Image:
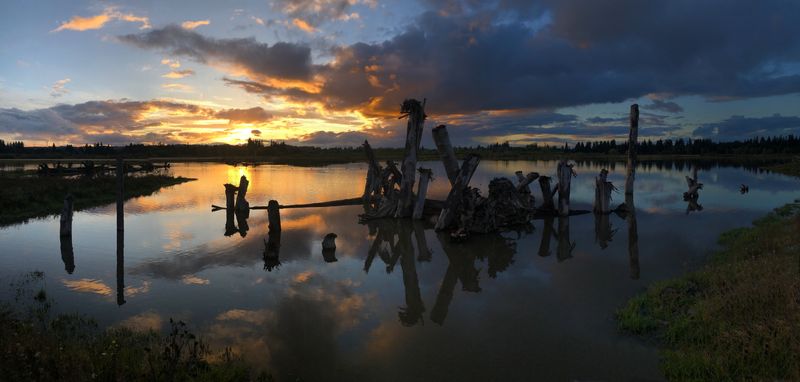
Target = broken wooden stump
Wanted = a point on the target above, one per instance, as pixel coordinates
(602, 193)
(547, 194)
(445, 149)
(456, 195)
(524, 187)
(230, 196)
(415, 111)
(274, 216)
(565, 173)
(374, 174)
(633, 135)
(241, 203)
(425, 175)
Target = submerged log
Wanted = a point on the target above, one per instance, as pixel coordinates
(632, 148)
(416, 118)
(66, 216)
(456, 195)
(547, 194)
(425, 175)
(241, 202)
(446, 153)
(565, 173)
(602, 193)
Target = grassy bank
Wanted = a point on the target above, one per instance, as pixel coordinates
(37, 347)
(736, 318)
(24, 197)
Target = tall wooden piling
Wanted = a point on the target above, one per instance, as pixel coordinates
(602, 193)
(456, 195)
(633, 135)
(416, 118)
(565, 174)
(445, 149)
(241, 203)
(425, 175)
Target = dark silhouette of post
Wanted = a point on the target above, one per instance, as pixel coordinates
(633, 135)
(565, 245)
(67, 254)
(120, 231)
(273, 245)
(547, 194)
(633, 237)
(456, 195)
(274, 215)
(242, 204)
(423, 252)
(547, 233)
(415, 111)
(564, 172)
(603, 232)
(425, 175)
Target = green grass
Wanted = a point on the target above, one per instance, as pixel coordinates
(24, 196)
(37, 347)
(738, 318)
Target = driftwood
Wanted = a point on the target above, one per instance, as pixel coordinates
(633, 135)
(425, 175)
(456, 196)
(565, 173)
(445, 149)
(602, 193)
(241, 203)
(415, 111)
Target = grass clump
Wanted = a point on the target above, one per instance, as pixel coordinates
(736, 318)
(24, 197)
(37, 347)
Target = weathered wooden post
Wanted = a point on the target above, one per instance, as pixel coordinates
(564, 173)
(273, 245)
(632, 148)
(373, 182)
(230, 196)
(456, 195)
(416, 118)
(425, 175)
(547, 194)
(120, 232)
(274, 215)
(241, 203)
(66, 217)
(602, 193)
(445, 149)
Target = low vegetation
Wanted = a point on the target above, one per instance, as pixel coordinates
(24, 196)
(736, 318)
(37, 347)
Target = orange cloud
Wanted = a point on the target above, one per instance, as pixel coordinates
(179, 74)
(78, 23)
(303, 25)
(194, 24)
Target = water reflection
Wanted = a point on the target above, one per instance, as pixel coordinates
(603, 230)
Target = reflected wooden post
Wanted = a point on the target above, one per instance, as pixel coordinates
(547, 233)
(603, 231)
(632, 147)
(416, 118)
(241, 221)
(423, 252)
(329, 248)
(425, 175)
(633, 237)
(446, 153)
(273, 245)
(120, 232)
(412, 314)
(454, 198)
(602, 193)
(230, 195)
(565, 246)
(65, 236)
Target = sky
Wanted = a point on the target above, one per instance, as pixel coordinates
(334, 72)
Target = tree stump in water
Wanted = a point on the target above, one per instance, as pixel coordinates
(456, 195)
(632, 147)
(445, 149)
(230, 196)
(602, 193)
(274, 216)
(374, 171)
(416, 118)
(425, 175)
(241, 202)
(547, 194)
(565, 173)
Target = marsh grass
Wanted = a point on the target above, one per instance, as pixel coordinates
(24, 196)
(35, 346)
(736, 318)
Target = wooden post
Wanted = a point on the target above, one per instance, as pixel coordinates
(120, 232)
(373, 173)
(425, 175)
(274, 215)
(632, 147)
(565, 174)
(547, 194)
(454, 198)
(602, 193)
(241, 202)
(416, 118)
(66, 217)
(445, 149)
(230, 195)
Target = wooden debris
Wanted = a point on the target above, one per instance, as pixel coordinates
(241, 203)
(565, 173)
(456, 196)
(632, 148)
(425, 175)
(415, 111)
(445, 149)
(602, 193)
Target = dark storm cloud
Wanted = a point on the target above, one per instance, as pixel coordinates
(284, 60)
(739, 127)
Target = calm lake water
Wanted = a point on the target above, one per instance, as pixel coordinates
(402, 303)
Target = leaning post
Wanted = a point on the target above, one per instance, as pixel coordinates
(445, 149)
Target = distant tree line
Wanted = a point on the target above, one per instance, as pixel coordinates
(11, 147)
(758, 145)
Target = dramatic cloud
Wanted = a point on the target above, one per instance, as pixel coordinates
(194, 24)
(78, 23)
(282, 60)
(739, 127)
(667, 106)
(179, 73)
(59, 88)
(309, 14)
(252, 115)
